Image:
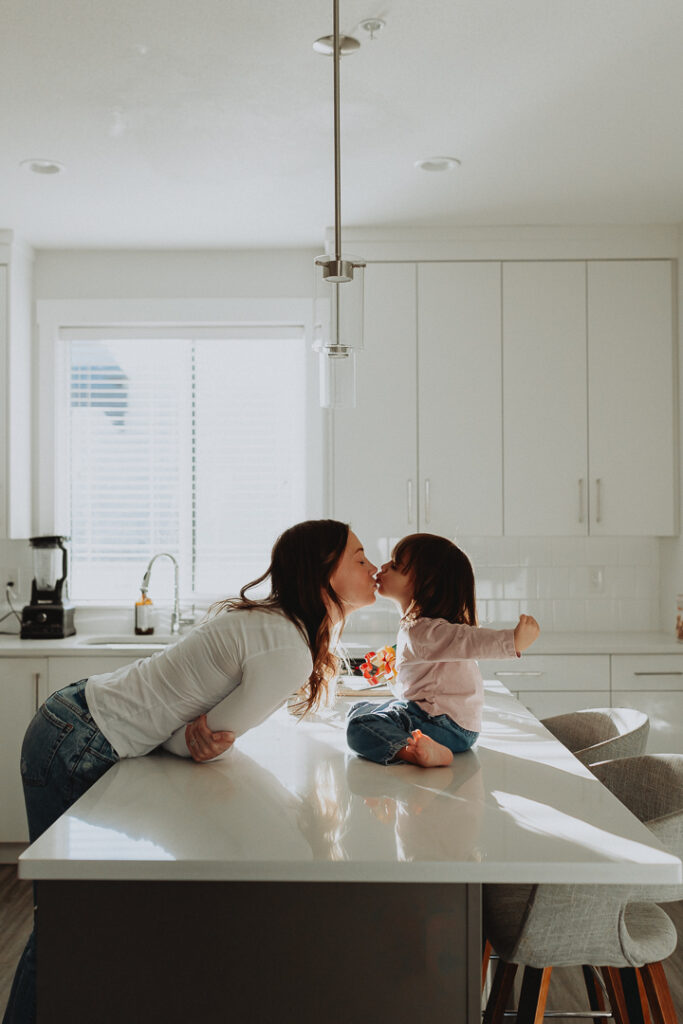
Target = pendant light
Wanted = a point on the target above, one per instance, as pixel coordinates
(338, 293)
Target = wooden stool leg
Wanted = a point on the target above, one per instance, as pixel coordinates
(485, 962)
(644, 1002)
(658, 994)
(629, 983)
(596, 999)
(615, 994)
(534, 995)
(500, 992)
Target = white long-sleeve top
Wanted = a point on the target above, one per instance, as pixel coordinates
(239, 667)
(436, 666)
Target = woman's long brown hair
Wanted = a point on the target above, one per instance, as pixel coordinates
(442, 577)
(301, 563)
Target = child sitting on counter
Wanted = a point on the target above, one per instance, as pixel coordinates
(437, 684)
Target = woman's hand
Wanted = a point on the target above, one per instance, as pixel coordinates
(526, 631)
(204, 744)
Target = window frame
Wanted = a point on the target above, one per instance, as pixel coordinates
(50, 434)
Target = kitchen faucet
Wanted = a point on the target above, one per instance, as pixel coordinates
(176, 620)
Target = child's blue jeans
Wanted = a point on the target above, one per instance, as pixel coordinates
(379, 731)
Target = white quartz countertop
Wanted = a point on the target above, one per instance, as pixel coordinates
(548, 643)
(81, 645)
(291, 803)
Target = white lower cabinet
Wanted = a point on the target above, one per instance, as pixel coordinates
(665, 711)
(547, 703)
(551, 672)
(652, 683)
(21, 680)
(554, 684)
(560, 683)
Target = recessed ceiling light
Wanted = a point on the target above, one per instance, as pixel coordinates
(347, 44)
(438, 163)
(43, 166)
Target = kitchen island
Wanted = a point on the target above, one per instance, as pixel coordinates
(292, 881)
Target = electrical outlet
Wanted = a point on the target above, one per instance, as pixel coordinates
(597, 580)
(10, 578)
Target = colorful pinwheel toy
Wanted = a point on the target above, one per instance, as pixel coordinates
(379, 666)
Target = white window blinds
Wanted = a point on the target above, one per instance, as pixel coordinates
(192, 445)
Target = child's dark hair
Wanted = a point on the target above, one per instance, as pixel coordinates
(442, 577)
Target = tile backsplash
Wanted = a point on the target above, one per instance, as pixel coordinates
(567, 583)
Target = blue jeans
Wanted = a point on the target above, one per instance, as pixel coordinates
(63, 754)
(379, 731)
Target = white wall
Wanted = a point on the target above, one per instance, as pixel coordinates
(671, 548)
(146, 274)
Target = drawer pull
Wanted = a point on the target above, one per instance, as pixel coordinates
(36, 692)
(658, 673)
(518, 673)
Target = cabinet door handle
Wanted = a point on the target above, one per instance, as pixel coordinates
(581, 500)
(428, 500)
(36, 693)
(409, 499)
(658, 673)
(518, 673)
(598, 500)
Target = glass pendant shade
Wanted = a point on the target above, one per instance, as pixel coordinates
(338, 380)
(338, 304)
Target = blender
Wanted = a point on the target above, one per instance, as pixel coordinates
(49, 616)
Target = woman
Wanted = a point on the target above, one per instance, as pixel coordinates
(195, 698)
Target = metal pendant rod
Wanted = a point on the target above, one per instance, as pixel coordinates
(337, 170)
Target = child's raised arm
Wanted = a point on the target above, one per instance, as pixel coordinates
(526, 631)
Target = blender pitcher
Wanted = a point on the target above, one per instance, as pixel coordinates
(49, 615)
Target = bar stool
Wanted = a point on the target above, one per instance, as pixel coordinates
(651, 786)
(593, 734)
(601, 734)
(618, 928)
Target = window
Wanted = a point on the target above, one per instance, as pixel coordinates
(193, 443)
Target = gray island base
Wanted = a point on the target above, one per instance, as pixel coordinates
(257, 952)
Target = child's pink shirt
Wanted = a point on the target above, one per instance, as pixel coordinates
(436, 667)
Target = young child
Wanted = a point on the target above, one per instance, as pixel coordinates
(438, 684)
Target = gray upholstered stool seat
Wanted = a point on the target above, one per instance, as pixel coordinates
(565, 925)
(601, 734)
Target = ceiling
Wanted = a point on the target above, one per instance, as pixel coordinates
(210, 124)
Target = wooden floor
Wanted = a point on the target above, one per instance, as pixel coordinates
(566, 991)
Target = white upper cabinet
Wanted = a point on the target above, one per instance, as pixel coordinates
(588, 398)
(375, 444)
(544, 398)
(459, 399)
(526, 398)
(631, 387)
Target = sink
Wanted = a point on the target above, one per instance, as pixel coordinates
(130, 643)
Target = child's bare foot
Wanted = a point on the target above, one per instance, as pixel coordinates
(425, 751)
